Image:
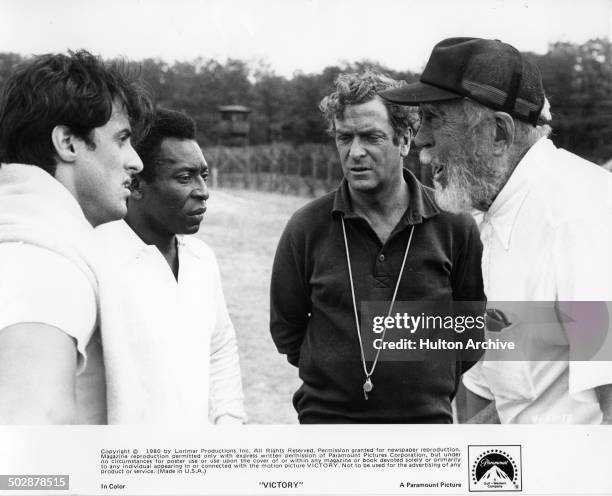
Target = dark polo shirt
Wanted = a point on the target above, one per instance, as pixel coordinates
(312, 319)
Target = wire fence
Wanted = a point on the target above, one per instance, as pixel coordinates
(309, 169)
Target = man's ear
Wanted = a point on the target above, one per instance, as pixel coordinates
(63, 142)
(405, 144)
(504, 133)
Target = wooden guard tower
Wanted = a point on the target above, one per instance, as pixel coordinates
(233, 126)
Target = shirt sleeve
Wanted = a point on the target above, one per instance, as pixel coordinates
(290, 302)
(226, 397)
(39, 286)
(584, 281)
(475, 381)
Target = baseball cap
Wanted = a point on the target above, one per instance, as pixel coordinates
(491, 72)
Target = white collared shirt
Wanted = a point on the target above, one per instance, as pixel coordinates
(179, 332)
(547, 237)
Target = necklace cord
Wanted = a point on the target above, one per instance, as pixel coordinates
(358, 327)
(348, 261)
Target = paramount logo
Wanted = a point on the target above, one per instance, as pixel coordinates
(495, 468)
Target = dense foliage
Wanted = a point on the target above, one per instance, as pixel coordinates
(577, 78)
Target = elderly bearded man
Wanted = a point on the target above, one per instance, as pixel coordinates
(545, 229)
(378, 237)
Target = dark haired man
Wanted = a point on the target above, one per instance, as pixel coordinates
(545, 228)
(178, 346)
(378, 237)
(66, 123)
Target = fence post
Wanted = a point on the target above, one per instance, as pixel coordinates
(216, 167)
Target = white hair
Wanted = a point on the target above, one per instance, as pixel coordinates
(526, 134)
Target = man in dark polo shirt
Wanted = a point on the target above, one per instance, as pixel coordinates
(378, 237)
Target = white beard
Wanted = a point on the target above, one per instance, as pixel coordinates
(466, 189)
(453, 198)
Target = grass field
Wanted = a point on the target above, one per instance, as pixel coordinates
(243, 228)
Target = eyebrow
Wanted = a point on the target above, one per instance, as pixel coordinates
(202, 166)
(366, 130)
(432, 109)
(125, 130)
(442, 109)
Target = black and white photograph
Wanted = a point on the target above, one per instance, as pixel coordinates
(305, 246)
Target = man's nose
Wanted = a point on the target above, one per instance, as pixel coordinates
(201, 191)
(134, 163)
(357, 150)
(423, 137)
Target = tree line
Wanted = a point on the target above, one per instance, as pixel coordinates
(577, 79)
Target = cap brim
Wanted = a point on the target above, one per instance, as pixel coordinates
(415, 93)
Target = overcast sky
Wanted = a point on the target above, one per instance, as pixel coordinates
(292, 35)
